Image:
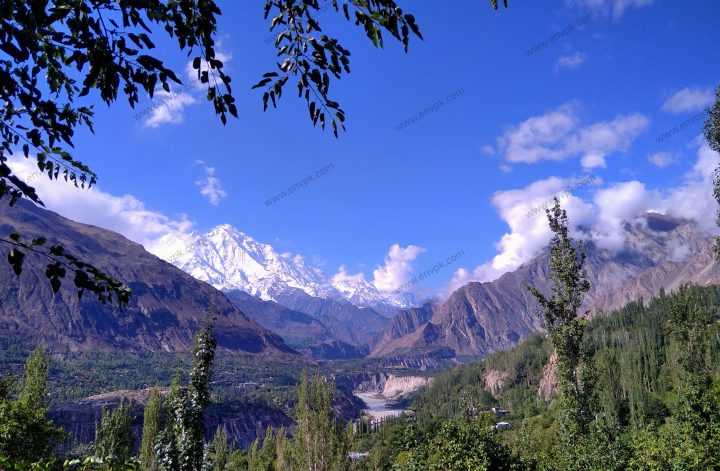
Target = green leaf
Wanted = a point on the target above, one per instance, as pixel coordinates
(15, 258)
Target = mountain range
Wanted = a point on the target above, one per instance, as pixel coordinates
(348, 310)
(231, 260)
(659, 253)
(268, 303)
(167, 307)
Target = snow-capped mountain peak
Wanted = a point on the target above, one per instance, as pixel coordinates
(230, 259)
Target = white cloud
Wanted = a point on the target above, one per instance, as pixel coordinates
(694, 199)
(688, 100)
(593, 160)
(556, 135)
(603, 217)
(210, 186)
(571, 61)
(662, 159)
(343, 277)
(397, 268)
(607, 136)
(616, 205)
(535, 138)
(529, 229)
(123, 214)
(168, 108)
(616, 8)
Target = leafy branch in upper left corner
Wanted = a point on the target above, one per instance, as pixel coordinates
(53, 55)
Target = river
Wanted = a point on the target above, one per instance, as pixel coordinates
(377, 407)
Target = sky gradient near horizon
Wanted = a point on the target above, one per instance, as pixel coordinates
(451, 147)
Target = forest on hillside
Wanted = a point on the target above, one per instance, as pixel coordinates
(656, 407)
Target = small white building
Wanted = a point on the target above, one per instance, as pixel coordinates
(500, 426)
(500, 411)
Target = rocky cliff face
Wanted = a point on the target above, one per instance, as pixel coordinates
(390, 386)
(166, 309)
(483, 317)
(405, 322)
(397, 387)
(242, 424)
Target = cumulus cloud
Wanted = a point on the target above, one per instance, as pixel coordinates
(603, 217)
(397, 268)
(616, 205)
(168, 108)
(123, 214)
(593, 160)
(662, 159)
(210, 186)
(571, 61)
(535, 139)
(343, 277)
(694, 197)
(557, 135)
(688, 100)
(616, 8)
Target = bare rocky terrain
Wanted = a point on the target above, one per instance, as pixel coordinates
(166, 309)
(479, 318)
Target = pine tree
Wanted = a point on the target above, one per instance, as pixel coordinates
(151, 429)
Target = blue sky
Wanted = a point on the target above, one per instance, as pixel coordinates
(522, 128)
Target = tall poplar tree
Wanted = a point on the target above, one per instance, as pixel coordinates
(151, 429)
(565, 327)
(711, 130)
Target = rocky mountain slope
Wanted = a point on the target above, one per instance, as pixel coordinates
(346, 322)
(296, 328)
(167, 306)
(483, 317)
